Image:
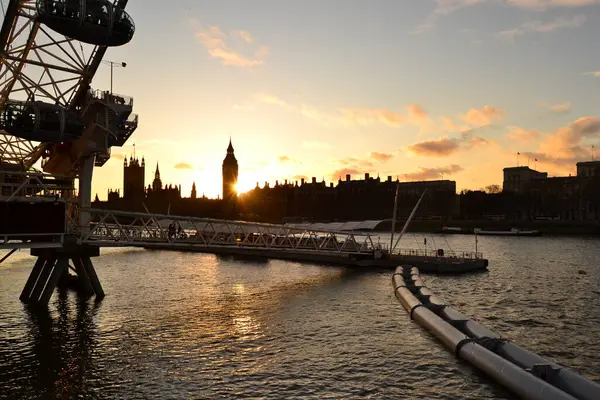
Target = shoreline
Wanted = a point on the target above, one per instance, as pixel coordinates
(558, 228)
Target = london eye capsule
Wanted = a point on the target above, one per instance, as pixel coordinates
(97, 22)
(40, 122)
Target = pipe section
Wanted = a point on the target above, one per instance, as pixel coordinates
(524, 373)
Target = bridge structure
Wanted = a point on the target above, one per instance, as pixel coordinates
(54, 129)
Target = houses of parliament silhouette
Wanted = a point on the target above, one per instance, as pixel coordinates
(167, 199)
(350, 199)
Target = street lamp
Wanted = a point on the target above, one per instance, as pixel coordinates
(112, 65)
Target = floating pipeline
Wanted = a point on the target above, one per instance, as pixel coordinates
(524, 373)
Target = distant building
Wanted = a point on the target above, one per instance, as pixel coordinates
(517, 178)
(538, 196)
(159, 195)
(133, 179)
(193, 195)
(588, 169)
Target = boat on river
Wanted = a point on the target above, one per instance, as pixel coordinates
(512, 232)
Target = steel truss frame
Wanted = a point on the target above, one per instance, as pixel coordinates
(36, 186)
(109, 229)
(37, 63)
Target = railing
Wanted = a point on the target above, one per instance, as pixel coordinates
(438, 253)
(31, 240)
(114, 228)
(35, 185)
(112, 98)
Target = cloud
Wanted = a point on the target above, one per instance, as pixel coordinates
(447, 7)
(441, 147)
(483, 116)
(594, 74)
(522, 135)
(381, 157)
(342, 172)
(243, 35)
(286, 159)
(415, 114)
(443, 8)
(300, 177)
(183, 166)
(216, 42)
(560, 149)
(356, 162)
(543, 4)
(433, 173)
(561, 108)
(566, 142)
(541, 27)
(118, 156)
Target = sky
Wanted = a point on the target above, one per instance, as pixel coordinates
(415, 89)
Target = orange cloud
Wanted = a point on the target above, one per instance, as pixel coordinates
(561, 108)
(118, 156)
(216, 42)
(183, 166)
(566, 142)
(286, 159)
(368, 116)
(522, 135)
(382, 157)
(425, 174)
(300, 177)
(594, 74)
(342, 172)
(356, 162)
(480, 117)
(441, 147)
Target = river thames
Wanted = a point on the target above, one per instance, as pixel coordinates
(197, 326)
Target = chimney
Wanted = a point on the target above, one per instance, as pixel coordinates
(314, 180)
(276, 183)
(302, 181)
(286, 182)
(389, 178)
(347, 177)
(331, 185)
(366, 177)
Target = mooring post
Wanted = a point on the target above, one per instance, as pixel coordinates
(84, 281)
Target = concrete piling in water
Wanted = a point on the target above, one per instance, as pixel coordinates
(60, 266)
(42, 280)
(32, 280)
(52, 268)
(91, 273)
(85, 286)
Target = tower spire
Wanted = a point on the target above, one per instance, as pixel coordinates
(157, 172)
(230, 147)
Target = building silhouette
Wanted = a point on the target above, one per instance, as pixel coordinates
(133, 179)
(230, 178)
(527, 195)
(230, 175)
